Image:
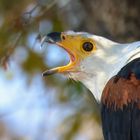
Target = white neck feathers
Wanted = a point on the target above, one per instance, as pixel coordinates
(108, 64)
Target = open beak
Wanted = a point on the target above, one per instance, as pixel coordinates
(55, 38)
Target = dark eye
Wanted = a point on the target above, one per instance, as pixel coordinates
(88, 46)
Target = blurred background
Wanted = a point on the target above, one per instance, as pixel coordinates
(53, 108)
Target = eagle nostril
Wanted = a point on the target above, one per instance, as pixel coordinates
(63, 37)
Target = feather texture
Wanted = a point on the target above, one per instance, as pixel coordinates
(121, 104)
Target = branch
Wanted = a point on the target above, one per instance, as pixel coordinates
(26, 20)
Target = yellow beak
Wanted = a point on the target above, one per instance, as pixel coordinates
(59, 39)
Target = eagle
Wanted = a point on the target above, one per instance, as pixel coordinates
(111, 71)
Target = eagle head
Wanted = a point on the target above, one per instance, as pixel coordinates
(93, 58)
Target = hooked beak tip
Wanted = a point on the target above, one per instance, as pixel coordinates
(51, 38)
(49, 72)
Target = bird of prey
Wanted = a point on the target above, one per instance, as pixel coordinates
(111, 71)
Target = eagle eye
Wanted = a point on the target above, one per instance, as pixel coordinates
(87, 46)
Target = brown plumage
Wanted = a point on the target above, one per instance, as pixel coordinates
(120, 92)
